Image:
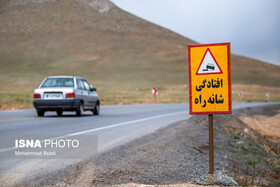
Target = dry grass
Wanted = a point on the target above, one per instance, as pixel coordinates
(22, 98)
(255, 93)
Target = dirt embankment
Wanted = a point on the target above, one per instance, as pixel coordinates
(178, 156)
(263, 125)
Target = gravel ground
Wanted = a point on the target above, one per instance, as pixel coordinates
(177, 155)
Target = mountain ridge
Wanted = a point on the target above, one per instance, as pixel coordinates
(98, 40)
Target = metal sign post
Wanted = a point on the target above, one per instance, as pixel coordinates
(211, 144)
(210, 84)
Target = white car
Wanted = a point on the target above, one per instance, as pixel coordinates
(66, 93)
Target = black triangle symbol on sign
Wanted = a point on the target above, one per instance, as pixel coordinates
(208, 64)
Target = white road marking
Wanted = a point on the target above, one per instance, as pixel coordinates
(103, 128)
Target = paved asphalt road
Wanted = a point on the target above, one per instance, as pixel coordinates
(114, 126)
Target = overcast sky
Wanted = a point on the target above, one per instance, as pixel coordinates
(252, 26)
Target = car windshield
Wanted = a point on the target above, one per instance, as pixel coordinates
(58, 82)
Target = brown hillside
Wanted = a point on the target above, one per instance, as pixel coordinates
(97, 40)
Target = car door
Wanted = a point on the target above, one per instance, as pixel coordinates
(91, 96)
(81, 91)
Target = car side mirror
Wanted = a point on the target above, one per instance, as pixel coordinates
(93, 89)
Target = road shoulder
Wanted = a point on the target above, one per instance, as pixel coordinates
(178, 155)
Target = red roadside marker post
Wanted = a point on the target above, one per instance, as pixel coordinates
(210, 84)
(155, 93)
(267, 96)
(240, 94)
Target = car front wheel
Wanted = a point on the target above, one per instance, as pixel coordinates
(80, 109)
(96, 109)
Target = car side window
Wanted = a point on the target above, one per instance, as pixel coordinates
(80, 84)
(87, 86)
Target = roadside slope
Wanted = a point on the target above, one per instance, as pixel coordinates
(101, 42)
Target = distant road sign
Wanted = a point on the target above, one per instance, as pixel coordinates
(209, 79)
(155, 91)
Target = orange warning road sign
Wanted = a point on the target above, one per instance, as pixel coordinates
(209, 78)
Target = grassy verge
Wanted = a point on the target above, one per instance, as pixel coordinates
(253, 93)
(15, 99)
(251, 163)
(22, 98)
